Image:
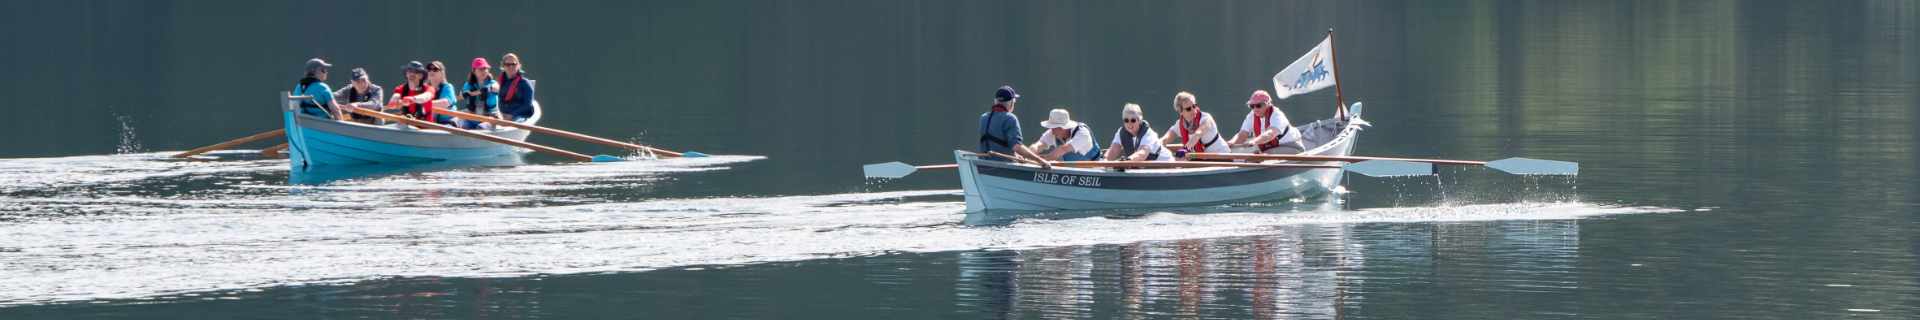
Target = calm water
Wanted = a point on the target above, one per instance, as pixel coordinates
(1740, 160)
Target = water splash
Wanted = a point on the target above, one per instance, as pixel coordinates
(129, 141)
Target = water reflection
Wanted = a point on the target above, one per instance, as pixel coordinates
(327, 174)
(1312, 271)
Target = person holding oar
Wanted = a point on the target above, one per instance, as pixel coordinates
(1135, 140)
(1000, 129)
(437, 94)
(482, 94)
(416, 75)
(1195, 131)
(1065, 139)
(314, 84)
(1266, 129)
(362, 93)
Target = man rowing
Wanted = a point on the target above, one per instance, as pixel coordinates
(1135, 140)
(360, 94)
(1065, 139)
(1195, 131)
(1266, 129)
(1000, 129)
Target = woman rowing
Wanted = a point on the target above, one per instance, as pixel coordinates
(1135, 140)
(1266, 128)
(482, 93)
(1195, 131)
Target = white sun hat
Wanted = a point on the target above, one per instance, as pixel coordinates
(1059, 118)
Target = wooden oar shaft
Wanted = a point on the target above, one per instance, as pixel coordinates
(1013, 157)
(557, 132)
(275, 133)
(471, 134)
(1302, 157)
(274, 150)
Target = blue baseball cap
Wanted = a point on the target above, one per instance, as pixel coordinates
(1005, 94)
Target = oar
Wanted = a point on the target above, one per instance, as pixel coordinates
(274, 151)
(570, 134)
(483, 136)
(1521, 166)
(275, 133)
(896, 169)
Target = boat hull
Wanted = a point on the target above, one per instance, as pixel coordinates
(1000, 186)
(317, 142)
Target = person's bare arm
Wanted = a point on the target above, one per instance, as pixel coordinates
(1022, 150)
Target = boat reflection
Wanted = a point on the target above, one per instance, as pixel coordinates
(1301, 271)
(327, 174)
(988, 218)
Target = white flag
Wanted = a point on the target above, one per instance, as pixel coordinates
(1313, 71)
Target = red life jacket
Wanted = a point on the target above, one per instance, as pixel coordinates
(1260, 124)
(1185, 132)
(422, 111)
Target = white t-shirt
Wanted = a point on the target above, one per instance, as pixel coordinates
(1276, 121)
(1207, 132)
(1081, 141)
(1149, 142)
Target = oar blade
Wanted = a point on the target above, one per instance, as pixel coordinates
(890, 170)
(692, 154)
(1390, 168)
(607, 158)
(1525, 166)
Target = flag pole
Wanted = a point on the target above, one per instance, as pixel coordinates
(1340, 99)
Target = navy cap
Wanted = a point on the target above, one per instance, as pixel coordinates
(1005, 94)
(414, 66)
(359, 73)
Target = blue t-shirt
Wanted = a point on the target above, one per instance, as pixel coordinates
(999, 132)
(446, 92)
(322, 95)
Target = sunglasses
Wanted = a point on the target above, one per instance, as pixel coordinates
(1256, 106)
(1130, 120)
(509, 64)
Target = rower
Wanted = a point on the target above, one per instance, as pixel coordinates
(1065, 139)
(481, 94)
(1266, 129)
(404, 94)
(360, 94)
(313, 84)
(1000, 129)
(1135, 140)
(1195, 131)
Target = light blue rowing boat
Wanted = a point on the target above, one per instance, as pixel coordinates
(1000, 186)
(314, 141)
